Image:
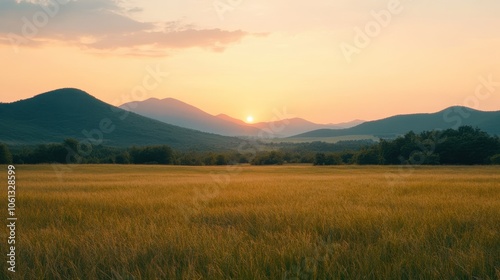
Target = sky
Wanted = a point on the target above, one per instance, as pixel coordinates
(325, 61)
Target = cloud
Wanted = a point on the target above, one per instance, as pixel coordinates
(135, 10)
(214, 39)
(103, 25)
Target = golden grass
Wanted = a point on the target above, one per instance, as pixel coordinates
(286, 222)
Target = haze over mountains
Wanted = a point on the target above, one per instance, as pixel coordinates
(178, 113)
(71, 113)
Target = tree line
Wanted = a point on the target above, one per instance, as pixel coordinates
(465, 145)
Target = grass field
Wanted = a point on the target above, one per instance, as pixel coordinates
(284, 222)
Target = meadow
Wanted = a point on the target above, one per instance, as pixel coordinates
(278, 222)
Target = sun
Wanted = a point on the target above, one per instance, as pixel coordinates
(250, 119)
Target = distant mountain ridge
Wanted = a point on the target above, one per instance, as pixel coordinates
(452, 117)
(71, 113)
(53, 116)
(179, 113)
(176, 112)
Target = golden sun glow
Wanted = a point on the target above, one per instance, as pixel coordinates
(250, 119)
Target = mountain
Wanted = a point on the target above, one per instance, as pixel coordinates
(231, 119)
(59, 114)
(348, 124)
(289, 127)
(281, 128)
(397, 125)
(178, 113)
(293, 126)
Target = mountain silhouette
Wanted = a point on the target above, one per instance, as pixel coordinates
(176, 112)
(452, 117)
(179, 113)
(53, 116)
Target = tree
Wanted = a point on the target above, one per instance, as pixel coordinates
(152, 154)
(209, 159)
(467, 145)
(123, 158)
(329, 159)
(393, 151)
(5, 155)
(421, 158)
(221, 160)
(495, 159)
(347, 157)
(368, 156)
(333, 159)
(71, 144)
(320, 159)
(268, 158)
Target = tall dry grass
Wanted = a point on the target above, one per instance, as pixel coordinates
(288, 222)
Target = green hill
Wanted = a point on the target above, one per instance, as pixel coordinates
(397, 125)
(53, 116)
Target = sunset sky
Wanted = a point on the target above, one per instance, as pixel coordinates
(253, 57)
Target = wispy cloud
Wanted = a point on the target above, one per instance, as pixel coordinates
(103, 25)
